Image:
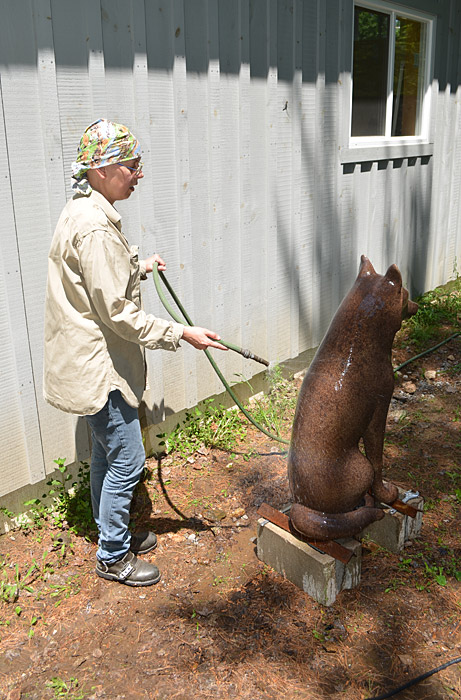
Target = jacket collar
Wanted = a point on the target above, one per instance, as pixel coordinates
(110, 211)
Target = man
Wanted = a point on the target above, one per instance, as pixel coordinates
(95, 337)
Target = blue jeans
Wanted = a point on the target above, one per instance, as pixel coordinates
(117, 462)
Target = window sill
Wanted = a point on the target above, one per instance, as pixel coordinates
(385, 151)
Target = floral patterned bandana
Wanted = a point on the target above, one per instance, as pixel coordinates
(102, 143)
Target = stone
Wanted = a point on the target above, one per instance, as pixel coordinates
(395, 528)
(409, 387)
(315, 573)
(238, 513)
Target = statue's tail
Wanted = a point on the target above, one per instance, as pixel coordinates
(330, 526)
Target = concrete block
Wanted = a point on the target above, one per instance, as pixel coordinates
(318, 574)
(395, 529)
(414, 525)
(388, 532)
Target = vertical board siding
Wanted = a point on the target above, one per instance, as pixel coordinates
(20, 440)
(240, 110)
(33, 140)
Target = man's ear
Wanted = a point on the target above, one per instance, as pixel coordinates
(95, 175)
(101, 172)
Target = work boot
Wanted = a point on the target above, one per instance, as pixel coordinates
(129, 570)
(143, 542)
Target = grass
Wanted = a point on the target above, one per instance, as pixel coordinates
(65, 689)
(209, 425)
(67, 503)
(439, 314)
(11, 586)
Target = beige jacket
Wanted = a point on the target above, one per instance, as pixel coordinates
(95, 328)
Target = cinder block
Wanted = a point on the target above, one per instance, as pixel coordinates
(414, 525)
(318, 574)
(395, 529)
(388, 532)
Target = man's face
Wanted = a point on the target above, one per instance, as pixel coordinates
(121, 179)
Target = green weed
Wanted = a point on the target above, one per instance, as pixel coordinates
(65, 689)
(9, 514)
(197, 626)
(209, 425)
(32, 623)
(275, 408)
(439, 311)
(394, 584)
(11, 588)
(442, 564)
(454, 476)
(436, 573)
(66, 504)
(319, 636)
(66, 590)
(220, 580)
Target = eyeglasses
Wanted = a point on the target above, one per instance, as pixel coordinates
(136, 170)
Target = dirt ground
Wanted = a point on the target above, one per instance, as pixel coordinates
(221, 624)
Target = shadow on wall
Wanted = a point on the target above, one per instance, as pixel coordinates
(120, 29)
(285, 38)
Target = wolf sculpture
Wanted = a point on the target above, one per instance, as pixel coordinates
(344, 398)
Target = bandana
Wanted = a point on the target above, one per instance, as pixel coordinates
(102, 143)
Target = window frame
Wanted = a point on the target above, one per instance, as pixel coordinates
(369, 148)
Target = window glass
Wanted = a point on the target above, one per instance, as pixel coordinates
(371, 52)
(408, 76)
(389, 72)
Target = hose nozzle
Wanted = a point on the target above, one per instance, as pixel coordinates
(247, 354)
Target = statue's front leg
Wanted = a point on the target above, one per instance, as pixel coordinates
(373, 441)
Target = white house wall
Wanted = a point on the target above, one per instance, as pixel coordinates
(239, 107)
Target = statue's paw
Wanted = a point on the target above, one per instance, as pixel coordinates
(385, 492)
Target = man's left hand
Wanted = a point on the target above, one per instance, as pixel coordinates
(149, 263)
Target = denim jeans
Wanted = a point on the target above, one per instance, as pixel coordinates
(117, 461)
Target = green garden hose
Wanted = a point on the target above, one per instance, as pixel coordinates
(246, 353)
(426, 352)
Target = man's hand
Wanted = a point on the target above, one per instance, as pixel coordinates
(149, 263)
(201, 338)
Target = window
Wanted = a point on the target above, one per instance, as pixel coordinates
(390, 76)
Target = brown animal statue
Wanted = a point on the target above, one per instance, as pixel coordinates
(344, 397)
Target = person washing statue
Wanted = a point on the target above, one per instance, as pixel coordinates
(96, 334)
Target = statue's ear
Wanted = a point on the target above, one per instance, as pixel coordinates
(394, 276)
(366, 268)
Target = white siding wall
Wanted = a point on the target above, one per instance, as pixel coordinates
(239, 108)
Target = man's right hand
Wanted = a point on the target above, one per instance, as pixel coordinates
(201, 338)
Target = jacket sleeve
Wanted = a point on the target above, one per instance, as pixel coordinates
(112, 279)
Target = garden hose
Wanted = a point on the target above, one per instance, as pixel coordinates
(413, 681)
(156, 276)
(426, 352)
